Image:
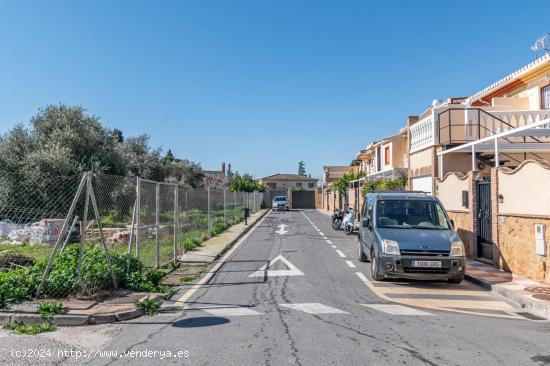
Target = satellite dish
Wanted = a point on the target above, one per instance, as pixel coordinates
(542, 44)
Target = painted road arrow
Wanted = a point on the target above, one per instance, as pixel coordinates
(264, 271)
(281, 230)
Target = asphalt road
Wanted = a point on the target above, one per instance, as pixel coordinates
(318, 306)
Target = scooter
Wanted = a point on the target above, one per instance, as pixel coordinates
(337, 218)
(349, 221)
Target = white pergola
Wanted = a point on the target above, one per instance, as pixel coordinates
(492, 144)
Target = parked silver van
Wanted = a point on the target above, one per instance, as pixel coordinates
(409, 235)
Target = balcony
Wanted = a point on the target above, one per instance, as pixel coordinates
(422, 134)
(462, 125)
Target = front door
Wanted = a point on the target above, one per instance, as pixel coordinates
(484, 224)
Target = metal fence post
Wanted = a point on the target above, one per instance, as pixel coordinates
(176, 219)
(83, 182)
(208, 199)
(224, 214)
(235, 206)
(157, 224)
(138, 211)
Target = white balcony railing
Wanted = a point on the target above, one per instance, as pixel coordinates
(422, 134)
(506, 120)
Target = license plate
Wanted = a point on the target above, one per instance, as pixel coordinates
(427, 264)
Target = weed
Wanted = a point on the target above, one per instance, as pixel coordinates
(47, 309)
(188, 278)
(21, 328)
(150, 306)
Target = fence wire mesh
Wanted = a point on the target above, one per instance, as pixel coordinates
(80, 235)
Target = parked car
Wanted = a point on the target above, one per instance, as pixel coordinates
(409, 235)
(280, 203)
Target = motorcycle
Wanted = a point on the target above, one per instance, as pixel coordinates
(349, 221)
(337, 218)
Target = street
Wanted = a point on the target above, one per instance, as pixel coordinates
(297, 295)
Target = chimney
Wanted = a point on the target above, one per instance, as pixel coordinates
(223, 167)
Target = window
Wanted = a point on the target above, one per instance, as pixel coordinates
(418, 214)
(387, 155)
(545, 97)
(311, 185)
(299, 184)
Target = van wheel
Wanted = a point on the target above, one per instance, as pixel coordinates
(374, 267)
(456, 280)
(362, 256)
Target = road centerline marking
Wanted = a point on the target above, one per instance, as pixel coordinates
(340, 253)
(362, 277)
(350, 264)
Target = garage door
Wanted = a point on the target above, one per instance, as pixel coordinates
(423, 184)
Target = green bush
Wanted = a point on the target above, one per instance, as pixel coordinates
(21, 284)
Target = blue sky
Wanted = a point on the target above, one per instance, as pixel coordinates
(259, 84)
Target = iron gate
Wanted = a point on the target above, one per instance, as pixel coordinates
(484, 224)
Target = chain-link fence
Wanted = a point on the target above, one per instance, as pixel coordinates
(62, 236)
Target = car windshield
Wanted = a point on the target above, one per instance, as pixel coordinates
(280, 198)
(411, 214)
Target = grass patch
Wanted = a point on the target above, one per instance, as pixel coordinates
(188, 278)
(37, 252)
(47, 309)
(20, 328)
(150, 306)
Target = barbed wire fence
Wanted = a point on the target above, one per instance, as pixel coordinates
(94, 225)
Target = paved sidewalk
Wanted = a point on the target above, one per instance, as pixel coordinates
(213, 247)
(532, 295)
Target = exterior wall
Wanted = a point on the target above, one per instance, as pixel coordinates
(517, 247)
(399, 150)
(285, 184)
(525, 190)
(525, 198)
(449, 192)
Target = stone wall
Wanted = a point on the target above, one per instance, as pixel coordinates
(517, 247)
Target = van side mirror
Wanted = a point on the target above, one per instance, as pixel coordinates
(365, 222)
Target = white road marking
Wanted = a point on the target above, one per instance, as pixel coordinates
(394, 309)
(362, 277)
(281, 230)
(320, 232)
(314, 308)
(264, 271)
(329, 241)
(334, 246)
(340, 253)
(350, 264)
(228, 311)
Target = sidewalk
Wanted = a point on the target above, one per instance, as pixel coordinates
(211, 249)
(532, 295)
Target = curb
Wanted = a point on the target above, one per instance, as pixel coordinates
(75, 319)
(529, 304)
(240, 235)
(231, 243)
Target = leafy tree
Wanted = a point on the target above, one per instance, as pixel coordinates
(63, 141)
(301, 168)
(245, 183)
(341, 184)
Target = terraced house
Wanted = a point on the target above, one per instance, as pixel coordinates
(487, 157)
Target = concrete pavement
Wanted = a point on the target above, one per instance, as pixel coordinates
(329, 311)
